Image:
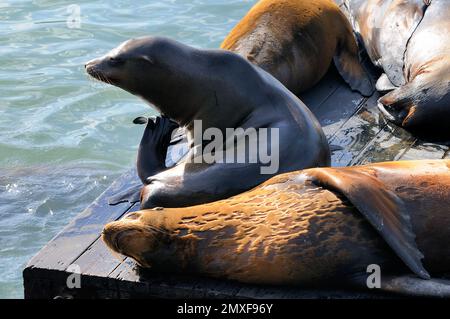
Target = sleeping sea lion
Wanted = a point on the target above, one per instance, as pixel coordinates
(296, 41)
(317, 227)
(210, 89)
(410, 41)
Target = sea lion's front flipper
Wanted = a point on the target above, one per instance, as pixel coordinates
(153, 148)
(413, 286)
(395, 36)
(384, 84)
(131, 195)
(350, 68)
(380, 206)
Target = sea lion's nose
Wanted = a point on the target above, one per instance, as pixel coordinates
(91, 63)
(109, 235)
(87, 64)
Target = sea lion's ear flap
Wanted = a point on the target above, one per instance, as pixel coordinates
(380, 206)
(352, 71)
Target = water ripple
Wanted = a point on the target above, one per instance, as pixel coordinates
(63, 138)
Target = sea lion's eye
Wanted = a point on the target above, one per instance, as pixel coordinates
(114, 61)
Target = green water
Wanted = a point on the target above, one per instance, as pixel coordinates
(64, 138)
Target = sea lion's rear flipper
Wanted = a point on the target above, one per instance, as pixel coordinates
(384, 84)
(131, 195)
(350, 68)
(413, 286)
(380, 206)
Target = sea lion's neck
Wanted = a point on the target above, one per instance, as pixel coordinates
(211, 92)
(173, 106)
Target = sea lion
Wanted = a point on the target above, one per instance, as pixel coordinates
(315, 227)
(296, 41)
(220, 90)
(410, 41)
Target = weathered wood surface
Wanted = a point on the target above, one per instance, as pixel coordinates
(354, 126)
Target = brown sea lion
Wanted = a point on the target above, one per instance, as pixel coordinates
(296, 41)
(314, 227)
(200, 90)
(410, 41)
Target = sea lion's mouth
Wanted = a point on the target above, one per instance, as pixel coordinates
(396, 113)
(386, 113)
(98, 75)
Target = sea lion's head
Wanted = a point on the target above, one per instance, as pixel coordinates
(421, 107)
(141, 237)
(153, 68)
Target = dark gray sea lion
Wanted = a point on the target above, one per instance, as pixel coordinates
(296, 41)
(317, 227)
(410, 41)
(222, 90)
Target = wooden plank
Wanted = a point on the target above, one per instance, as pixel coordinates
(322, 91)
(127, 270)
(98, 260)
(338, 108)
(421, 150)
(389, 145)
(332, 101)
(253, 292)
(132, 280)
(357, 133)
(73, 240)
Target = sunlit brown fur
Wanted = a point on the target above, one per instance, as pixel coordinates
(290, 231)
(296, 40)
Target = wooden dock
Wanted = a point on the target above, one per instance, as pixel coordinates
(352, 124)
